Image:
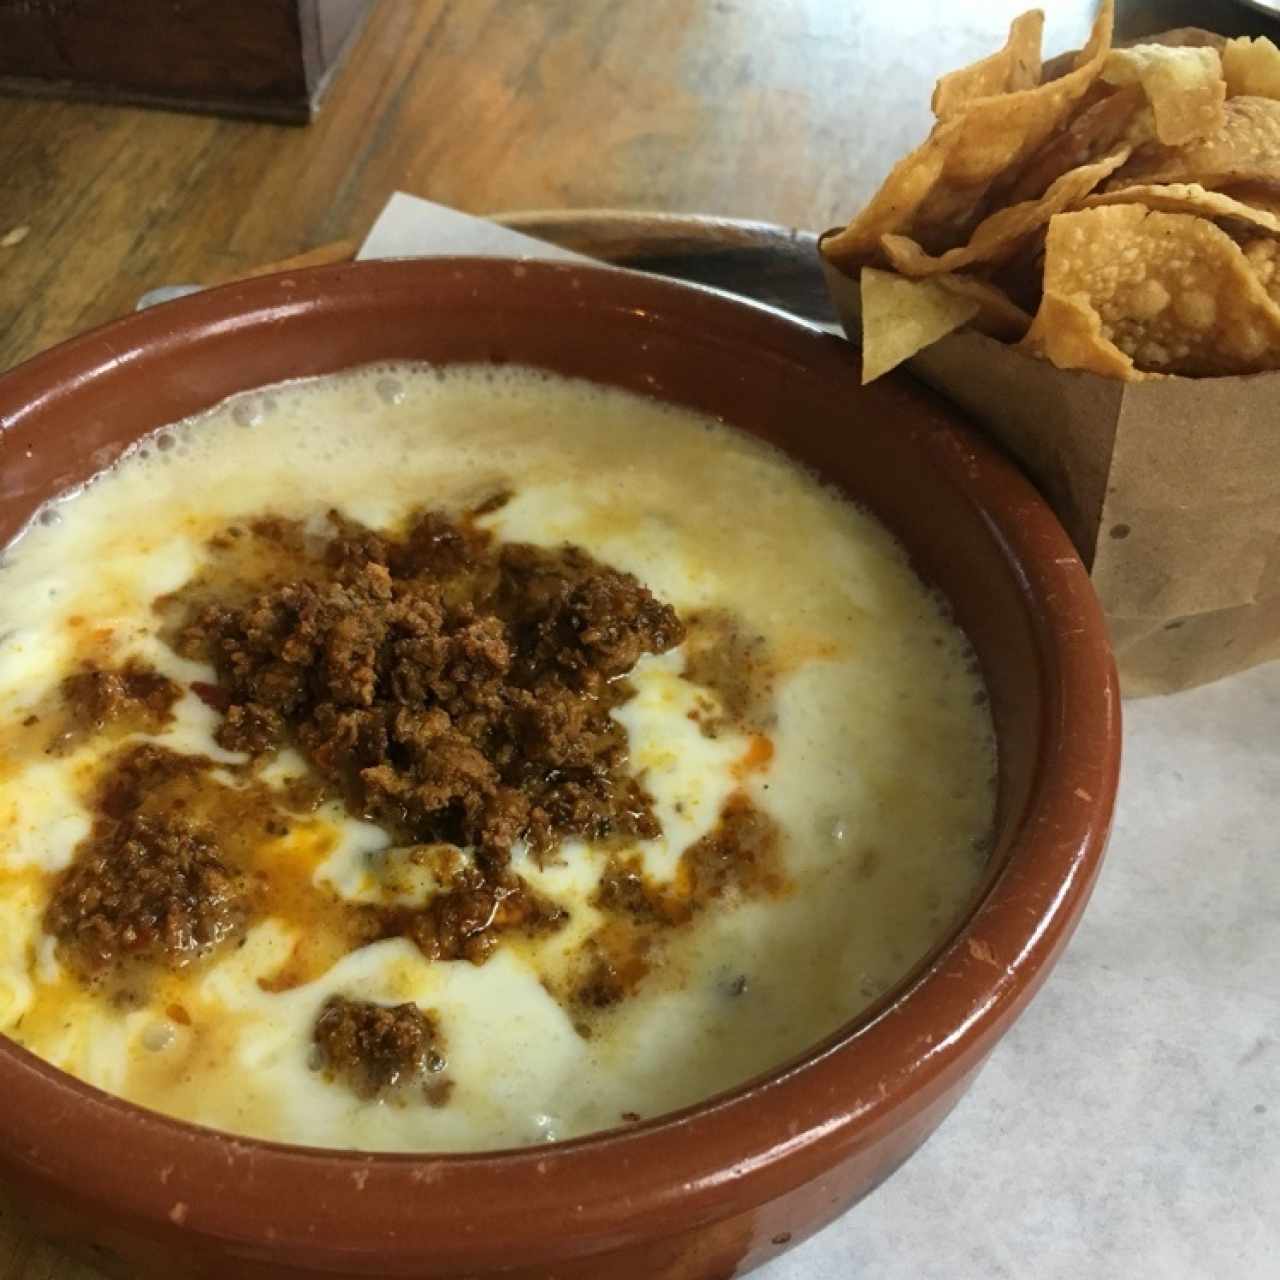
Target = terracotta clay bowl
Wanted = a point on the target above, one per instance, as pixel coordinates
(718, 1188)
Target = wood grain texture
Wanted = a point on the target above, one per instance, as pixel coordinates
(239, 57)
(207, 47)
(25, 1257)
(787, 113)
(321, 256)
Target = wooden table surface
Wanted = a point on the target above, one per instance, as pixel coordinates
(784, 112)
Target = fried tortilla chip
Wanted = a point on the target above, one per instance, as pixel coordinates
(1257, 195)
(1184, 197)
(1000, 237)
(1010, 70)
(894, 206)
(1177, 38)
(1109, 117)
(901, 317)
(1251, 68)
(1184, 86)
(1127, 289)
(935, 194)
(1245, 149)
(1116, 117)
(1068, 332)
(1263, 257)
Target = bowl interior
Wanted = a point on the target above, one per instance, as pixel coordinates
(973, 527)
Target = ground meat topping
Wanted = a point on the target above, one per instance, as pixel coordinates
(736, 665)
(167, 826)
(738, 858)
(464, 921)
(149, 891)
(132, 698)
(455, 691)
(376, 1049)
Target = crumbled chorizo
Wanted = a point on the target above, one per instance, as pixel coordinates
(148, 891)
(458, 692)
(375, 1049)
(455, 691)
(128, 699)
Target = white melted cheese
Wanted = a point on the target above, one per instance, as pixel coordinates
(689, 775)
(879, 774)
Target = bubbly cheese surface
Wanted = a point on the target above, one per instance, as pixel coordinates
(876, 762)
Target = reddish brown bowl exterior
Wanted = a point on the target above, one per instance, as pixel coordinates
(719, 1188)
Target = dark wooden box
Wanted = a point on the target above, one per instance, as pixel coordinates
(265, 58)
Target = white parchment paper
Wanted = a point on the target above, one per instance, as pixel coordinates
(1128, 1128)
(409, 227)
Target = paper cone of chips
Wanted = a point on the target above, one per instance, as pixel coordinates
(1085, 255)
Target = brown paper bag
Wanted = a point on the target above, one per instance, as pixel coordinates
(1170, 490)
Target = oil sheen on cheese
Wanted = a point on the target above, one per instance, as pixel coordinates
(879, 772)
